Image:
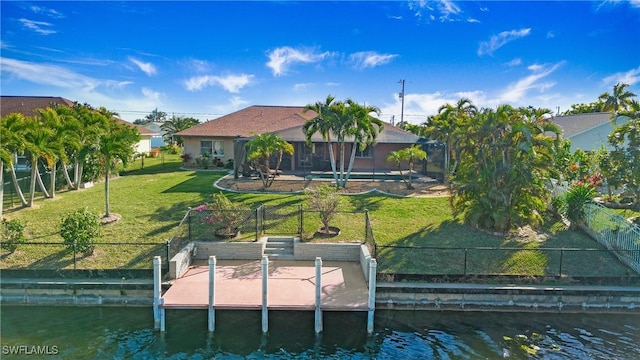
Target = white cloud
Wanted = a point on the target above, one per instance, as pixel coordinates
(282, 58)
(498, 41)
(234, 103)
(47, 11)
(516, 92)
(117, 84)
(231, 83)
(41, 27)
(629, 77)
(515, 62)
(442, 10)
(146, 67)
(45, 74)
(151, 95)
(366, 59)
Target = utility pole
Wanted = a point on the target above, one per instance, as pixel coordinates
(402, 108)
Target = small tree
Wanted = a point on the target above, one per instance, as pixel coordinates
(223, 213)
(326, 201)
(410, 155)
(79, 229)
(578, 195)
(11, 234)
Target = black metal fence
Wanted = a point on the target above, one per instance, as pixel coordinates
(407, 261)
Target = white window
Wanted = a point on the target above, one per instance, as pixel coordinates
(212, 147)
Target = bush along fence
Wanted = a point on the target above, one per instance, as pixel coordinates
(253, 224)
(614, 232)
(55, 259)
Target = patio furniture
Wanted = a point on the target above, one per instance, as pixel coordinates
(248, 171)
(269, 172)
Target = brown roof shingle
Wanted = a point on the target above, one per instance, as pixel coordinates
(27, 105)
(256, 119)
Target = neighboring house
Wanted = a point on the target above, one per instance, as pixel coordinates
(157, 140)
(588, 131)
(27, 105)
(224, 138)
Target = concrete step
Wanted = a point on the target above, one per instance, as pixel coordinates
(279, 247)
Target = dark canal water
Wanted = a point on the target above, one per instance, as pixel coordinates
(127, 333)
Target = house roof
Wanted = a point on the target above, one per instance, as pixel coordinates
(27, 105)
(577, 123)
(255, 119)
(389, 135)
(287, 121)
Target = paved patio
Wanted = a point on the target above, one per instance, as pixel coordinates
(291, 286)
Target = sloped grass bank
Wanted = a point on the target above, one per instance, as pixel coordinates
(153, 200)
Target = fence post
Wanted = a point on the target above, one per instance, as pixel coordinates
(465, 261)
(561, 259)
(257, 220)
(300, 220)
(75, 243)
(168, 251)
(189, 223)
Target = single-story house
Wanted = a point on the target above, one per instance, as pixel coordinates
(588, 131)
(27, 105)
(224, 138)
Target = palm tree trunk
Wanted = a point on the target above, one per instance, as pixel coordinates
(351, 161)
(332, 160)
(16, 186)
(53, 179)
(342, 151)
(41, 183)
(106, 188)
(77, 173)
(32, 182)
(65, 172)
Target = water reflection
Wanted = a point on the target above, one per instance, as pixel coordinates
(126, 333)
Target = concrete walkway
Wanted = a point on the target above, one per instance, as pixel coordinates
(291, 286)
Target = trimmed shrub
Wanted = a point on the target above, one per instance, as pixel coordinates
(11, 234)
(80, 227)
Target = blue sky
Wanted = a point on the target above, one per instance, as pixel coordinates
(207, 59)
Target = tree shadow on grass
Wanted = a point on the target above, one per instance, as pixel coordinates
(144, 260)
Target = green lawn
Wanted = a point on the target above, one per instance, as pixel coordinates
(153, 200)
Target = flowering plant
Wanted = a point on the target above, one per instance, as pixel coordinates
(226, 215)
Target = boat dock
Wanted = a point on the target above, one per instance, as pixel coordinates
(268, 285)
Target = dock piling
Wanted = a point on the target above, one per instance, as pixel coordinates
(372, 294)
(157, 291)
(265, 292)
(212, 293)
(318, 324)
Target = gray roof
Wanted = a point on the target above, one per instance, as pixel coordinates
(575, 124)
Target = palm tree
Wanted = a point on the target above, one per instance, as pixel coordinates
(364, 128)
(322, 123)
(115, 144)
(177, 124)
(11, 143)
(343, 120)
(410, 155)
(66, 137)
(619, 100)
(90, 125)
(504, 161)
(264, 146)
(40, 143)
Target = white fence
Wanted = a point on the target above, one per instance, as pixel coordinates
(614, 232)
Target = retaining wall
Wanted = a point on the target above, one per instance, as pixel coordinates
(476, 297)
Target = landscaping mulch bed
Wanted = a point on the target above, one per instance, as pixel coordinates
(422, 187)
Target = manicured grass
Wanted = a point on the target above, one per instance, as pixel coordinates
(153, 200)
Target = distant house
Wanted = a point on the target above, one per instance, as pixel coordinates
(224, 138)
(588, 131)
(27, 105)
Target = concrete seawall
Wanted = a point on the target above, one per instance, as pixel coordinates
(393, 296)
(480, 297)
